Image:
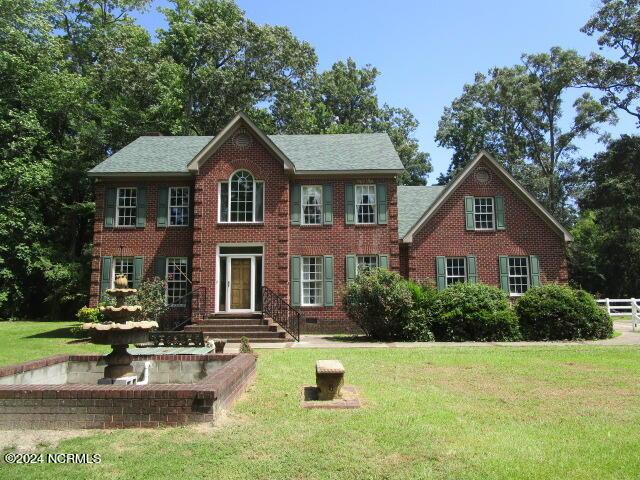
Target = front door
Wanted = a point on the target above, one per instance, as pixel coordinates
(240, 283)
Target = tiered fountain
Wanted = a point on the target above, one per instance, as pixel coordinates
(119, 331)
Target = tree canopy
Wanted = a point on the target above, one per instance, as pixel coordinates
(516, 113)
(81, 79)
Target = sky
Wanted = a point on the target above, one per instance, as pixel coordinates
(427, 50)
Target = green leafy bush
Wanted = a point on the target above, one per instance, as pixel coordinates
(384, 306)
(558, 312)
(474, 312)
(245, 347)
(151, 297)
(89, 315)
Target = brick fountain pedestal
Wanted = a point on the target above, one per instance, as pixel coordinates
(119, 331)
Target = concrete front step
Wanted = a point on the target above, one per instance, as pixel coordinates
(229, 321)
(230, 328)
(233, 315)
(238, 335)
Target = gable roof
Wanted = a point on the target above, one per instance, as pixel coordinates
(302, 154)
(413, 201)
(508, 179)
(219, 140)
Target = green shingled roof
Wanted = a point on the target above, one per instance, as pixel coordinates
(153, 155)
(413, 202)
(339, 152)
(309, 153)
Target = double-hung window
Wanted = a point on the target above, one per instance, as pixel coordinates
(241, 199)
(312, 204)
(365, 203)
(456, 270)
(122, 266)
(178, 206)
(483, 213)
(518, 275)
(311, 281)
(126, 207)
(177, 280)
(366, 262)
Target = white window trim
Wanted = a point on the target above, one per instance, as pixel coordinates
(113, 270)
(493, 214)
(228, 182)
(374, 204)
(118, 206)
(358, 257)
(302, 205)
(166, 276)
(188, 207)
(321, 296)
(509, 276)
(446, 270)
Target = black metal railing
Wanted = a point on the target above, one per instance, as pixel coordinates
(180, 311)
(278, 310)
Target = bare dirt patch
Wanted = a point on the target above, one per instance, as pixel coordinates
(32, 440)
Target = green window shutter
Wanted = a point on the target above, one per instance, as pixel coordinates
(138, 265)
(224, 201)
(163, 207)
(105, 275)
(141, 210)
(499, 202)
(295, 204)
(110, 207)
(350, 268)
(192, 206)
(294, 272)
(327, 204)
(469, 219)
(504, 272)
(381, 199)
(161, 267)
(349, 204)
(534, 270)
(441, 266)
(472, 269)
(383, 261)
(259, 201)
(328, 280)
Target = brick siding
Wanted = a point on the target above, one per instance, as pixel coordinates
(525, 234)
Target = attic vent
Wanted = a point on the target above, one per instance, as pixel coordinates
(242, 140)
(482, 175)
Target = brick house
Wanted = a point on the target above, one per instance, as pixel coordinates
(219, 218)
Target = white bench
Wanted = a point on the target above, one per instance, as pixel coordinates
(329, 379)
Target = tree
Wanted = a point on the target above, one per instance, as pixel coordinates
(618, 24)
(606, 251)
(216, 62)
(343, 99)
(516, 114)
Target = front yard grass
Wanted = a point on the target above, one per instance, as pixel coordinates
(23, 341)
(495, 412)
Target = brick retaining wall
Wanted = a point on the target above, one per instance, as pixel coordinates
(68, 406)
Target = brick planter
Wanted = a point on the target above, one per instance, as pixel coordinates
(69, 406)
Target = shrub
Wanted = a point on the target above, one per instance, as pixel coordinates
(558, 312)
(382, 304)
(474, 311)
(244, 345)
(151, 297)
(89, 315)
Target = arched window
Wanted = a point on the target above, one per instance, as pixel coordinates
(241, 199)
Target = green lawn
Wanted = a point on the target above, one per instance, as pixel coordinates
(562, 412)
(23, 341)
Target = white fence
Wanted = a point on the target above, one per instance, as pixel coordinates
(623, 307)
